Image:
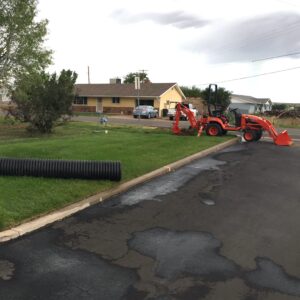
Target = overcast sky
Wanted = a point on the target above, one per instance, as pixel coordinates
(191, 42)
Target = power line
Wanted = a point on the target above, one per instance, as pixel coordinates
(260, 37)
(273, 57)
(252, 76)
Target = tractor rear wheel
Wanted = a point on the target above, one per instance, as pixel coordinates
(249, 135)
(213, 129)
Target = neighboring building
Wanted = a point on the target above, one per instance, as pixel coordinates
(250, 105)
(116, 97)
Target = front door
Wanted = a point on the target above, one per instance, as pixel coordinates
(99, 105)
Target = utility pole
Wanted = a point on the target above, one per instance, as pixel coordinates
(137, 86)
(89, 81)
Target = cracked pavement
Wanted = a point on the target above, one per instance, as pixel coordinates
(161, 241)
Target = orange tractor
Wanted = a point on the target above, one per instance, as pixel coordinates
(216, 124)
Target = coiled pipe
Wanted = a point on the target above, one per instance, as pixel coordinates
(83, 169)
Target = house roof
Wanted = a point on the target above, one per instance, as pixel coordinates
(248, 99)
(124, 90)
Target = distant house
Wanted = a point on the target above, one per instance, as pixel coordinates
(119, 98)
(250, 105)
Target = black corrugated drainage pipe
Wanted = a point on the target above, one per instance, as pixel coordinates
(83, 169)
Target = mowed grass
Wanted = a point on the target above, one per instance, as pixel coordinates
(285, 122)
(140, 150)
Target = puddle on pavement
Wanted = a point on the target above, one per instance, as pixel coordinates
(209, 202)
(235, 148)
(6, 269)
(170, 182)
(181, 253)
(272, 276)
(194, 292)
(54, 272)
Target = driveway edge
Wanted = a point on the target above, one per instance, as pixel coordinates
(69, 210)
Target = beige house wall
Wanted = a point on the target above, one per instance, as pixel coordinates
(125, 106)
(156, 103)
(124, 102)
(107, 102)
(89, 107)
(91, 102)
(172, 95)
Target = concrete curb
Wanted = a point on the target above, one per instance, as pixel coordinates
(78, 206)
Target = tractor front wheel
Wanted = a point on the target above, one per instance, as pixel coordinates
(258, 134)
(249, 135)
(213, 129)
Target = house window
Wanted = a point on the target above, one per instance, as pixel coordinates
(115, 99)
(80, 100)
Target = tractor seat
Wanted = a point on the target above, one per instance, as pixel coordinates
(216, 113)
(238, 119)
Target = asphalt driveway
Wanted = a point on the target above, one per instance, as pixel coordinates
(224, 227)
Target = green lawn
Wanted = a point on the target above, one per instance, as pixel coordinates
(283, 122)
(140, 150)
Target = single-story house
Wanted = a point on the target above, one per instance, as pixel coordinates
(250, 105)
(117, 97)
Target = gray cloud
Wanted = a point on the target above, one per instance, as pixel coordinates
(179, 19)
(251, 39)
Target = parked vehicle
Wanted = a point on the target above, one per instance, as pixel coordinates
(145, 111)
(183, 116)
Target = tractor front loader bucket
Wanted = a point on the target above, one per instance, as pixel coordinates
(280, 139)
(283, 139)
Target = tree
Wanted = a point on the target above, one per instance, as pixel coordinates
(279, 106)
(129, 78)
(191, 92)
(41, 99)
(21, 39)
(222, 99)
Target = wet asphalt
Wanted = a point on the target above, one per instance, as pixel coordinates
(224, 227)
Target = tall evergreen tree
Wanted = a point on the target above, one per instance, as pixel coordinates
(41, 99)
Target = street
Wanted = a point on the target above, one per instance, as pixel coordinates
(128, 120)
(162, 123)
(224, 227)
